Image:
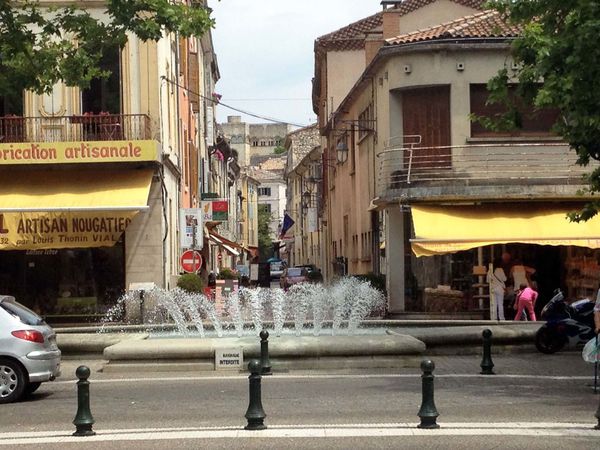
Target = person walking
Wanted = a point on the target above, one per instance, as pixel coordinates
(497, 280)
(525, 299)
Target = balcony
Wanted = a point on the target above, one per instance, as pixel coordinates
(486, 171)
(87, 127)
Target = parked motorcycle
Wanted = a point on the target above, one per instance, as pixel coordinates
(566, 324)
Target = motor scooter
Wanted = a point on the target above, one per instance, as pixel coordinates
(566, 325)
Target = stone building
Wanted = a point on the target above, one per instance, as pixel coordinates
(254, 139)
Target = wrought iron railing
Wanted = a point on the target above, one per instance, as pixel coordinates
(410, 165)
(86, 127)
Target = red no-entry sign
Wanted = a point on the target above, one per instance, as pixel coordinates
(191, 261)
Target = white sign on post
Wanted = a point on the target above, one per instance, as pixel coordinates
(229, 359)
(190, 220)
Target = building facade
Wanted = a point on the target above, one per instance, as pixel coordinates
(95, 178)
(423, 193)
(272, 197)
(302, 175)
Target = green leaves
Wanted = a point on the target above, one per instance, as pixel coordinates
(559, 47)
(42, 46)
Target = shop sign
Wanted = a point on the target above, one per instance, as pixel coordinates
(209, 196)
(215, 211)
(190, 224)
(77, 152)
(52, 230)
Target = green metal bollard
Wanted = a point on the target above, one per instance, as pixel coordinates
(255, 413)
(265, 363)
(83, 419)
(487, 365)
(428, 412)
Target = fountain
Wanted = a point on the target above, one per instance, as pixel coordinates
(248, 311)
(311, 325)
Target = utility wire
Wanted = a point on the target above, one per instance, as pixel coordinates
(258, 116)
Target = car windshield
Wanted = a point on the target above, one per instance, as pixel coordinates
(294, 272)
(24, 314)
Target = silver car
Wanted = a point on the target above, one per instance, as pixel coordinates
(28, 351)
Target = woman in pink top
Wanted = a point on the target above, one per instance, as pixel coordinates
(525, 300)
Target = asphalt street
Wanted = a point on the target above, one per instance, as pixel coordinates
(532, 391)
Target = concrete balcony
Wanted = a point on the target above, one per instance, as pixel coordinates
(479, 172)
(100, 127)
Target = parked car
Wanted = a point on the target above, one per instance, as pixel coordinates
(29, 355)
(293, 275)
(276, 269)
(309, 267)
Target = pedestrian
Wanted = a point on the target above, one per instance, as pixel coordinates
(497, 280)
(525, 299)
(521, 274)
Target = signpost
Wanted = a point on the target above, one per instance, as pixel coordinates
(191, 261)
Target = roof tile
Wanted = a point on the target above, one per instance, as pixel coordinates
(352, 36)
(485, 24)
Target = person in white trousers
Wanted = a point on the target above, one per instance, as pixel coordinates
(497, 280)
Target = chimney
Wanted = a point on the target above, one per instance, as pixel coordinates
(234, 119)
(373, 43)
(391, 23)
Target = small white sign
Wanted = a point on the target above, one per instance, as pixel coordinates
(253, 272)
(229, 359)
(148, 286)
(190, 220)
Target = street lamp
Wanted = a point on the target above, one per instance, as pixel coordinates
(342, 150)
(306, 199)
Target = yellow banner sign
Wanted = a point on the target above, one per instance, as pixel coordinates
(77, 152)
(53, 230)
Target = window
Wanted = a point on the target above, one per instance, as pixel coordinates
(11, 105)
(533, 122)
(24, 314)
(365, 121)
(104, 94)
(265, 207)
(12, 123)
(352, 149)
(264, 192)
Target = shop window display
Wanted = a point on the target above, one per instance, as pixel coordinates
(65, 285)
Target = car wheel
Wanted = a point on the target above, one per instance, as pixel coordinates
(31, 388)
(12, 381)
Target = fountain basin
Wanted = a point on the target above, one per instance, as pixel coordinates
(285, 346)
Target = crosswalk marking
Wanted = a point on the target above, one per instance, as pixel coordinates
(309, 431)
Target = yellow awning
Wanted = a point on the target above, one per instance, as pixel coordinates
(70, 190)
(69, 209)
(449, 229)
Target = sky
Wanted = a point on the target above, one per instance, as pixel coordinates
(265, 51)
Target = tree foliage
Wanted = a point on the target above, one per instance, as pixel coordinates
(265, 243)
(559, 47)
(40, 45)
